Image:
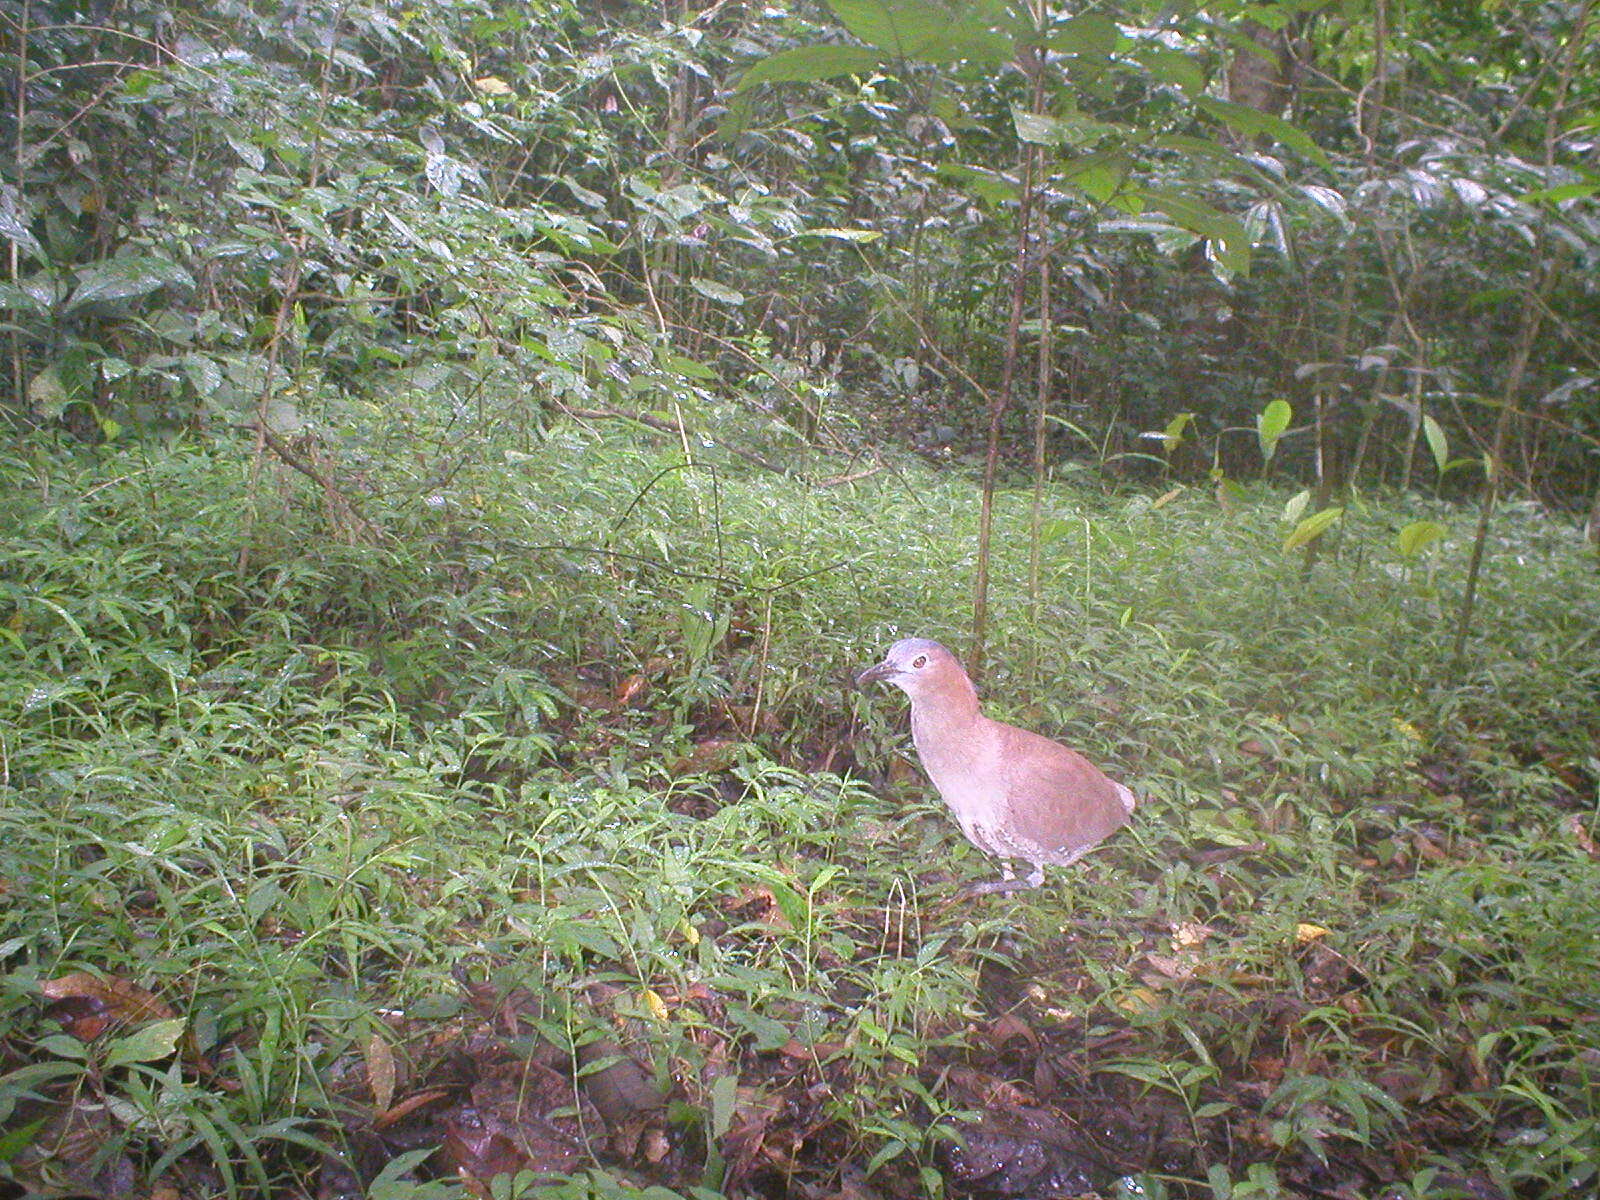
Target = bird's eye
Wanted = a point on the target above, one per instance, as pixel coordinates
(920, 661)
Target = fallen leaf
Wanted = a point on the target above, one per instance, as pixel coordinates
(88, 1005)
(653, 1001)
(1305, 932)
(1586, 843)
(380, 1071)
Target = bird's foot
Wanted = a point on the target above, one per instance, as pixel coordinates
(1005, 885)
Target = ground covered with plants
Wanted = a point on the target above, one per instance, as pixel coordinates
(455, 456)
(537, 845)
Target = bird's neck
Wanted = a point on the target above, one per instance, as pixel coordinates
(949, 711)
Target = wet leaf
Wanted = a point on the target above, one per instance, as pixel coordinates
(88, 1005)
(157, 1040)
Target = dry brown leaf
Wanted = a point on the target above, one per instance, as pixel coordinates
(408, 1106)
(631, 688)
(380, 1071)
(1010, 1026)
(1581, 835)
(88, 1005)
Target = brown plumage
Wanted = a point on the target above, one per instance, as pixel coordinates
(1014, 794)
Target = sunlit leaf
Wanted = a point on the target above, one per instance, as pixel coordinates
(805, 63)
(1418, 535)
(925, 31)
(1312, 527)
(843, 235)
(1270, 425)
(154, 1041)
(720, 293)
(1227, 234)
(1172, 435)
(1437, 441)
(1070, 129)
(1296, 506)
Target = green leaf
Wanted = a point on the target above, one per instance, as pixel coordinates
(1418, 535)
(717, 292)
(1437, 442)
(155, 1040)
(986, 185)
(1270, 424)
(724, 1099)
(805, 63)
(1102, 177)
(1296, 505)
(1172, 435)
(843, 235)
(1173, 67)
(1069, 129)
(1227, 234)
(1564, 191)
(126, 277)
(1312, 527)
(1252, 122)
(203, 373)
(925, 31)
(1093, 35)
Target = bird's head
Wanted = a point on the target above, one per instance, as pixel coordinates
(919, 667)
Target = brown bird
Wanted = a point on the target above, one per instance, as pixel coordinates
(1014, 794)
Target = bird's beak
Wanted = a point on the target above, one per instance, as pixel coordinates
(873, 674)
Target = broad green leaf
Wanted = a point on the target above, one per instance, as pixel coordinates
(1270, 424)
(203, 373)
(1069, 129)
(1296, 505)
(1199, 147)
(720, 293)
(1172, 435)
(805, 63)
(924, 31)
(1174, 67)
(155, 1040)
(1416, 536)
(1252, 122)
(1437, 442)
(1102, 177)
(47, 394)
(724, 1099)
(1227, 234)
(1312, 527)
(986, 185)
(126, 277)
(14, 221)
(1564, 191)
(1093, 35)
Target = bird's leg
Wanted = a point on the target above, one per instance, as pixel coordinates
(1008, 882)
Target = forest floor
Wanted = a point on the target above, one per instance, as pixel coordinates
(543, 849)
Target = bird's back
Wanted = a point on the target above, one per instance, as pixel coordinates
(1057, 804)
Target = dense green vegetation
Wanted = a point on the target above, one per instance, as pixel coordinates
(457, 454)
(488, 792)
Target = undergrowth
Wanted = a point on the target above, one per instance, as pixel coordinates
(570, 750)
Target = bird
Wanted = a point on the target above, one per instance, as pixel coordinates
(1015, 794)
